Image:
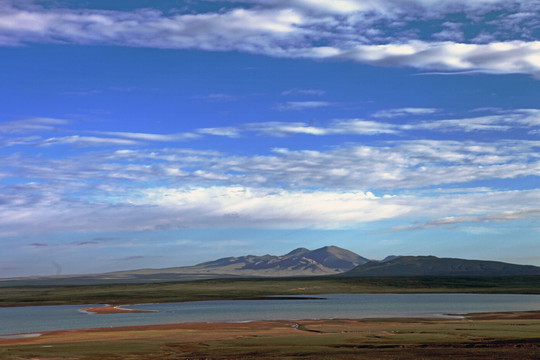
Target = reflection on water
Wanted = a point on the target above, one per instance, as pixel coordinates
(353, 306)
(18, 336)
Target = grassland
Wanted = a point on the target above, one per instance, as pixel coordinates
(498, 337)
(255, 288)
(487, 336)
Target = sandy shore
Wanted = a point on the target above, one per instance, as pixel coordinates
(103, 310)
(192, 331)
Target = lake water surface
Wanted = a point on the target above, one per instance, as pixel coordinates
(17, 320)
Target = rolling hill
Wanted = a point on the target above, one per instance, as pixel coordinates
(434, 266)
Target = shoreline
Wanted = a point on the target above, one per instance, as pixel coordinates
(218, 326)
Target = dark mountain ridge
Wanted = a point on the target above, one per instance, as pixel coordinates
(434, 266)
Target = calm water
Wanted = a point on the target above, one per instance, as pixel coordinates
(18, 320)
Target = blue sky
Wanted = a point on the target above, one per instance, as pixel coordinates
(133, 136)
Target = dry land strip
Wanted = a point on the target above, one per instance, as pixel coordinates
(478, 336)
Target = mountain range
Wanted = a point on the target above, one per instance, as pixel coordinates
(323, 261)
(328, 260)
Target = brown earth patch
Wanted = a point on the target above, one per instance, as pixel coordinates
(113, 310)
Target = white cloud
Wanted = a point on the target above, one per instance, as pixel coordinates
(336, 127)
(114, 190)
(150, 137)
(363, 31)
(498, 57)
(228, 131)
(269, 207)
(213, 207)
(159, 208)
(451, 31)
(399, 9)
(278, 128)
(334, 7)
(243, 29)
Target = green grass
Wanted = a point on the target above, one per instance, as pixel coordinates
(385, 339)
(252, 288)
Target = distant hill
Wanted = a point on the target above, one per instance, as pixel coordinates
(434, 266)
(300, 262)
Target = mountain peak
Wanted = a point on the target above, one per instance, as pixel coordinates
(331, 249)
(390, 258)
(299, 251)
(335, 257)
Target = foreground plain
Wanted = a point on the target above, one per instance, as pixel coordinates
(488, 336)
(513, 336)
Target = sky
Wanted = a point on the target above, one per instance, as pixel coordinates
(145, 134)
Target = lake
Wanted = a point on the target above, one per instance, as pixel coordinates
(17, 320)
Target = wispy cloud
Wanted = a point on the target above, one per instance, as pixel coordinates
(77, 140)
(392, 113)
(457, 220)
(302, 105)
(316, 92)
(525, 119)
(336, 127)
(31, 125)
(87, 243)
(218, 97)
(82, 93)
(503, 121)
(38, 245)
(497, 120)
